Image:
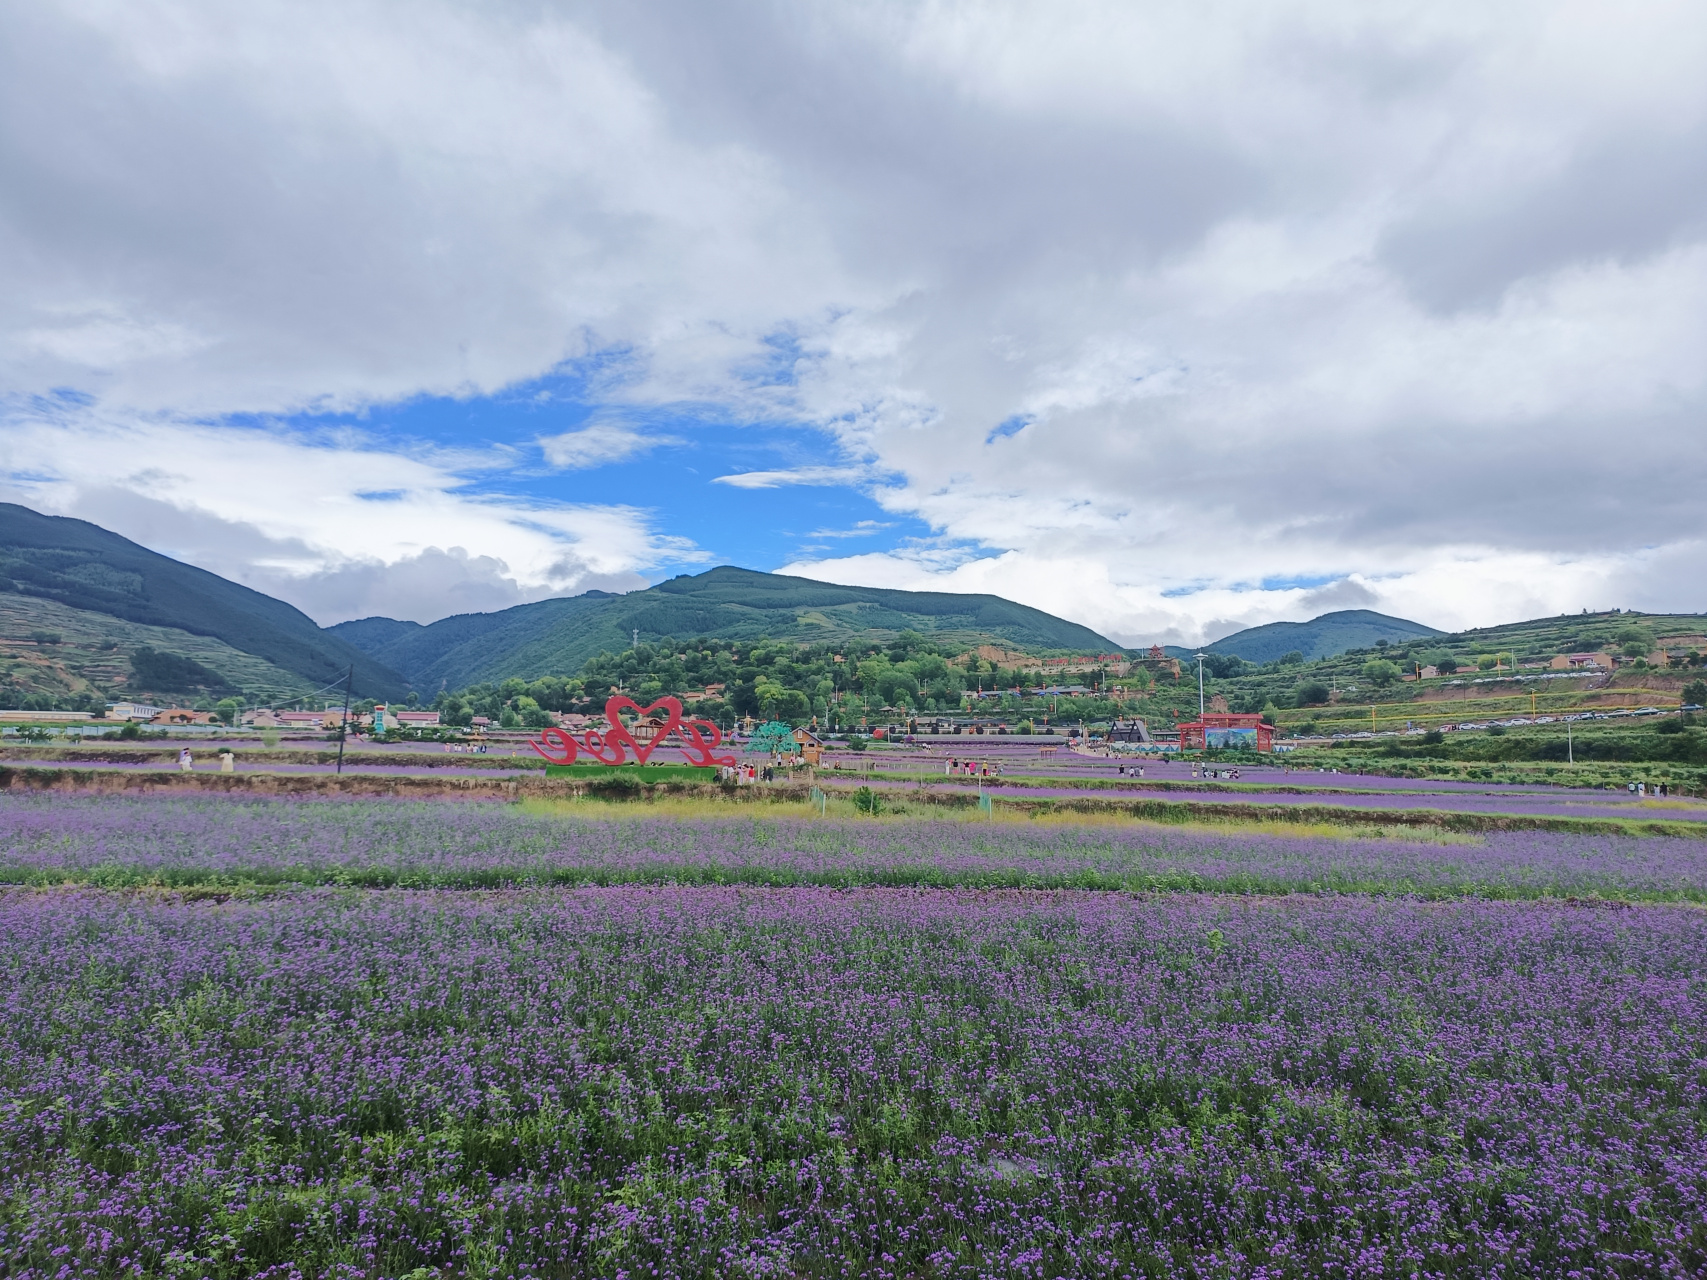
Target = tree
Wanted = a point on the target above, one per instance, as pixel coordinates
(793, 707)
(226, 709)
(1695, 693)
(1380, 673)
(1311, 693)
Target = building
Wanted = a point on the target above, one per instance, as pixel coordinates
(45, 717)
(131, 711)
(1128, 731)
(309, 719)
(807, 743)
(1582, 662)
(184, 715)
(418, 719)
(1243, 732)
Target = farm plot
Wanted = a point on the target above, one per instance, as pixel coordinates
(712, 1081)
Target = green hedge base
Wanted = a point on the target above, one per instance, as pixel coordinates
(639, 772)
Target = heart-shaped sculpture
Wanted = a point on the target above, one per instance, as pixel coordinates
(558, 748)
(699, 740)
(619, 733)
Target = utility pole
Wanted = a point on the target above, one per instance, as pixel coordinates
(1200, 657)
(344, 724)
(1570, 751)
(636, 643)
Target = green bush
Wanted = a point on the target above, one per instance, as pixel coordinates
(1311, 693)
(1380, 673)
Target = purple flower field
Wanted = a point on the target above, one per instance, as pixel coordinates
(219, 841)
(717, 1081)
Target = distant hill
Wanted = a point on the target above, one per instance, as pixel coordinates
(84, 567)
(50, 648)
(554, 637)
(1323, 637)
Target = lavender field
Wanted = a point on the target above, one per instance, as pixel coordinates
(222, 842)
(403, 1039)
(709, 1081)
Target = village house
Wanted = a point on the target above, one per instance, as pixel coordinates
(808, 745)
(131, 711)
(1582, 662)
(309, 719)
(184, 715)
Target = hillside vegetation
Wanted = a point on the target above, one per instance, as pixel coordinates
(53, 657)
(83, 566)
(556, 637)
(1324, 637)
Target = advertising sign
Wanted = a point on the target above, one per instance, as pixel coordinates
(1244, 737)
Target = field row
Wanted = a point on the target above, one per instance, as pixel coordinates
(225, 843)
(696, 1081)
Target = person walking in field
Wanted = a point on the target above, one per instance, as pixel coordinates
(185, 764)
(227, 761)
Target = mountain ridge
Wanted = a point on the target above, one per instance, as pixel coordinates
(1324, 636)
(554, 637)
(83, 566)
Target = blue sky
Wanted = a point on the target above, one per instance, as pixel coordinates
(677, 479)
(1171, 319)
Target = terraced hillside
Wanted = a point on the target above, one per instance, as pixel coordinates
(47, 648)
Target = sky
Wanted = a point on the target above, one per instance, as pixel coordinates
(1169, 318)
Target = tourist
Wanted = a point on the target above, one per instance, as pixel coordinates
(185, 764)
(227, 761)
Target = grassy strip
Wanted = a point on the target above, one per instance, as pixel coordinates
(250, 755)
(256, 882)
(1165, 812)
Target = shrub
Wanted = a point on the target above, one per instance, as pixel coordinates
(868, 802)
(1433, 738)
(1380, 673)
(1311, 693)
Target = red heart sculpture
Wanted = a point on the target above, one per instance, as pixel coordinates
(565, 746)
(619, 733)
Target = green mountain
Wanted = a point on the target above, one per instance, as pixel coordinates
(1323, 637)
(82, 566)
(554, 637)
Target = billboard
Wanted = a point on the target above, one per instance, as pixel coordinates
(1244, 737)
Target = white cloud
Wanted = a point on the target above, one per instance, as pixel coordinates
(792, 476)
(1410, 298)
(341, 528)
(598, 444)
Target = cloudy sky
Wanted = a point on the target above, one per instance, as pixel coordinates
(1167, 317)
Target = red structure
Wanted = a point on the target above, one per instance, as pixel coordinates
(1246, 732)
(698, 737)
